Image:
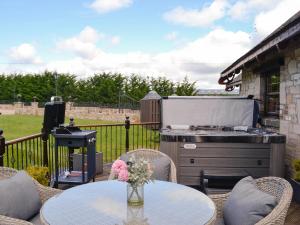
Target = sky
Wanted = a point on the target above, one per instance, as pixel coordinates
(172, 38)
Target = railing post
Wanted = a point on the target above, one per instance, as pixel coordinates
(2, 147)
(127, 127)
(71, 149)
(119, 102)
(45, 138)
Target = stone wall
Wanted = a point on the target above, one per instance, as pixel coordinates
(289, 119)
(95, 113)
(251, 83)
(290, 103)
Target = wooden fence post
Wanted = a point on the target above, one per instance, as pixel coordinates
(127, 127)
(2, 147)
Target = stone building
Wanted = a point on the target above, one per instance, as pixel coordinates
(271, 72)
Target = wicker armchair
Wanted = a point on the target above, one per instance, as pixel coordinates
(150, 155)
(275, 186)
(45, 194)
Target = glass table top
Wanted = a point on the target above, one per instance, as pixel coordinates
(105, 202)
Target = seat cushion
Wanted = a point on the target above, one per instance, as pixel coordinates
(247, 204)
(19, 197)
(161, 167)
(36, 220)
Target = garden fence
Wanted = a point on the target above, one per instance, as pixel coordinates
(112, 140)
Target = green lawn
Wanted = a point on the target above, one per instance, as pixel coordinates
(15, 126)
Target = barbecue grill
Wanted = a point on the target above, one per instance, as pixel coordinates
(70, 138)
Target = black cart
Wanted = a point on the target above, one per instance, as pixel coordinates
(74, 138)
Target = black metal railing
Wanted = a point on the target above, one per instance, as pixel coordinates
(22, 152)
(115, 139)
(112, 140)
(63, 156)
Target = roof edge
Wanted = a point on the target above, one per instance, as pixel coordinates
(287, 30)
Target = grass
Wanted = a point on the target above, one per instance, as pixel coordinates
(15, 126)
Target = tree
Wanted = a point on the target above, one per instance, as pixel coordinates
(137, 86)
(106, 87)
(186, 88)
(66, 86)
(103, 88)
(162, 86)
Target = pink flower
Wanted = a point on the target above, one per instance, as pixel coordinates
(117, 166)
(123, 175)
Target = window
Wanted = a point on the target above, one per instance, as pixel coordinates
(272, 81)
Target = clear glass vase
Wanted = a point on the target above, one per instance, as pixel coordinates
(135, 194)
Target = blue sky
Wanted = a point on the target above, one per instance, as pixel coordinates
(170, 38)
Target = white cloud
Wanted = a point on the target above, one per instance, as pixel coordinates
(24, 53)
(90, 35)
(217, 47)
(202, 59)
(84, 44)
(197, 17)
(242, 8)
(105, 6)
(268, 21)
(171, 36)
(115, 40)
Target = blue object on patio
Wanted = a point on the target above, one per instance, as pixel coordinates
(296, 190)
(72, 138)
(256, 116)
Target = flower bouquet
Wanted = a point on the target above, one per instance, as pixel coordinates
(136, 173)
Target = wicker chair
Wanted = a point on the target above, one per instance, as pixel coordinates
(275, 186)
(45, 194)
(150, 155)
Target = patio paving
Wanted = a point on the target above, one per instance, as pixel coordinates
(105, 174)
(293, 217)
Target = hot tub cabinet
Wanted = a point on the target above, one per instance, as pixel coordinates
(256, 158)
(218, 135)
